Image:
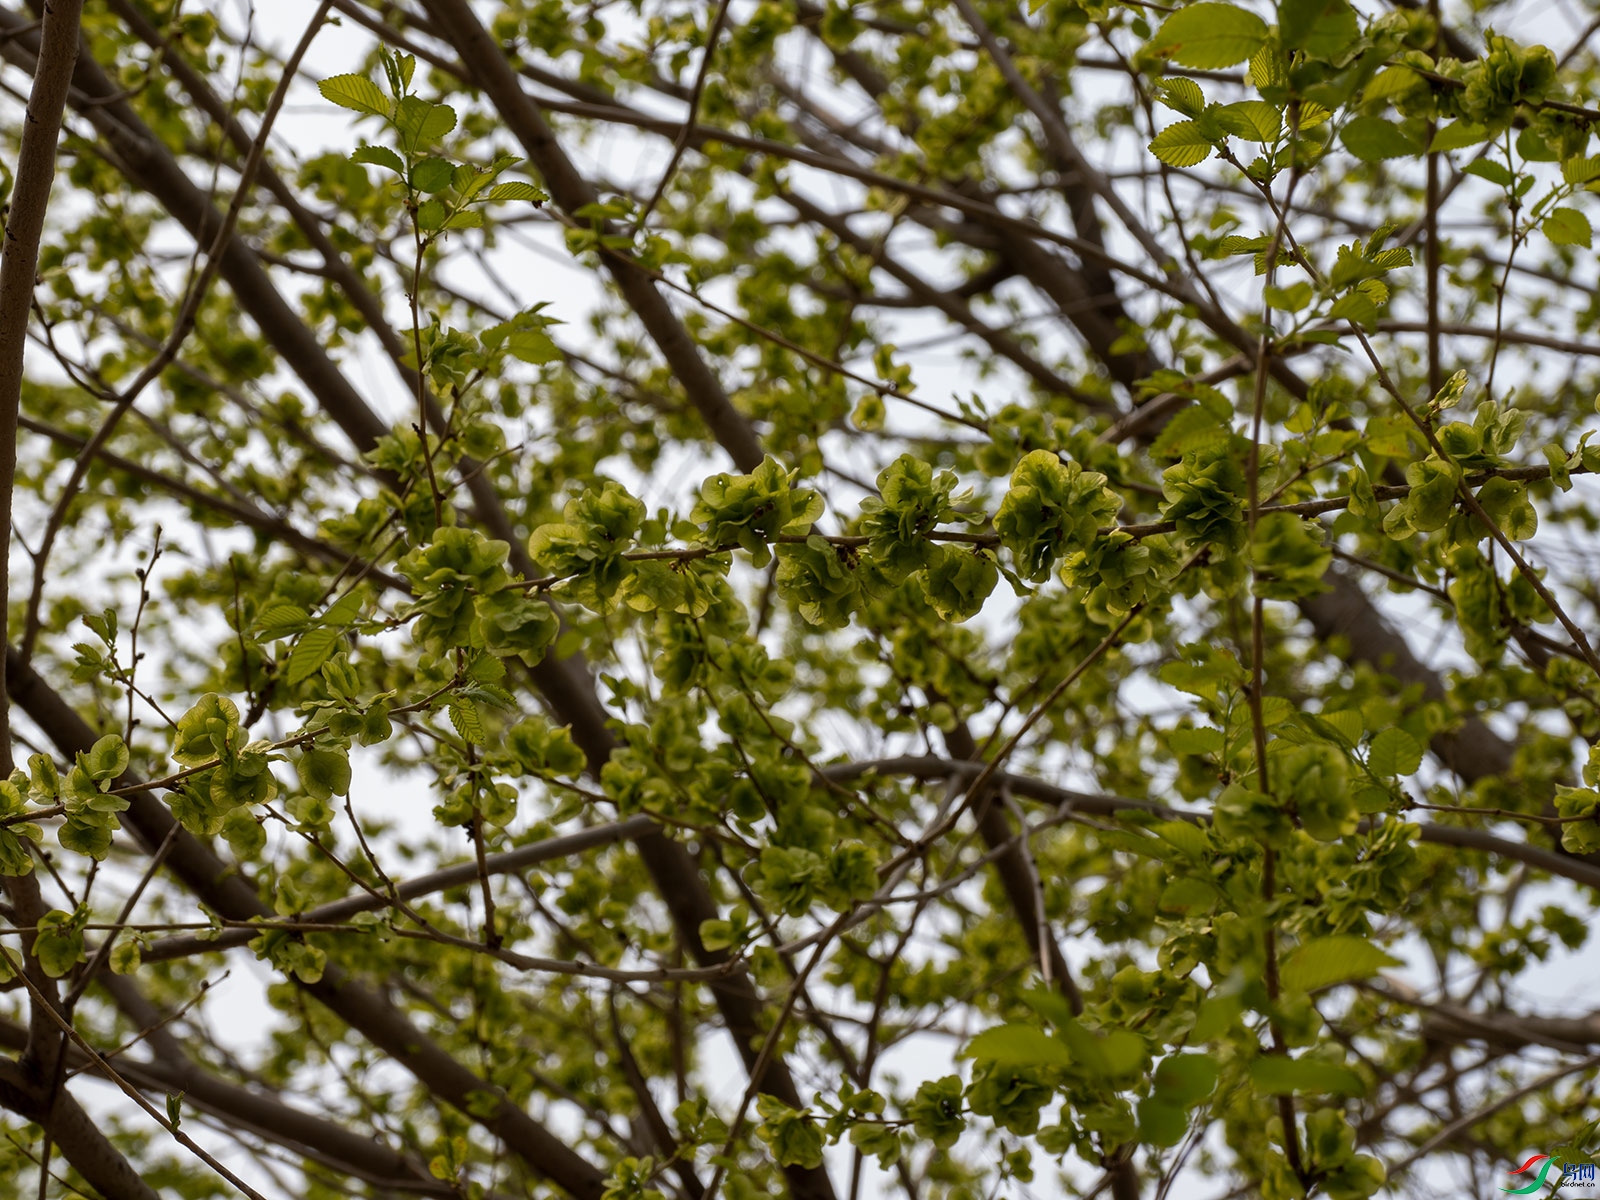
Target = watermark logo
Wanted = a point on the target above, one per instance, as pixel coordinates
(1571, 1174)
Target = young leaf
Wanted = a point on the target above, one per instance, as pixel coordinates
(1373, 139)
(532, 193)
(1323, 962)
(1252, 120)
(310, 652)
(432, 175)
(1394, 752)
(379, 156)
(1457, 136)
(355, 92)
(1182, 144)
(1017, 1045)
(1182, 96)
(1567, 227)
(1209, 35)
(1323, 29)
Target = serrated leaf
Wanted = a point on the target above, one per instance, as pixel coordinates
(421, 123)
(1323, 962)
(379, 156)
(310, 652)
(1210, 35)
(1486, 168)
(1182, 96)
(1252, 120)
(464, 716)
(1347, 723)
(355, 92)
(1373, 139)
(279, 619)
(432, 175)
(1353, 306)
(1394, 752)
(431, 216)
(343, 610)
(1567, 227)
(1182, 144)
(529, 192)
(1579, 171)
(465, 219)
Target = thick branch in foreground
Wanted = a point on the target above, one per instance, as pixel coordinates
(19, 262)
(75, 1132)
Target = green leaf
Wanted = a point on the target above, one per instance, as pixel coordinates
(1391, 82)
(1186, 1079)
(1185, 835)
(1567, 227)
(89, 834)
(379, 156)
(1017, 1045)
(1394, 752)
(1209, 35)
(795, 1137)
(1161, 1123)
(1579, 171)
(1182, 95)
(464, 716)
(1324, 29)
(1187, 896)
(431, 216)
(529, 192)
(310, 652)
(1279, 1075)
(533, 346)
(432, 175)
(1373, 139)
(1357, 307)
(1323, 962)
(126, 956)
(1458, 135)
(324, 773)
(59, 944)
(1182, 144)
(355, 92)
(1487, 168)
(107, 759)
(421, 124)
(1252, 120)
